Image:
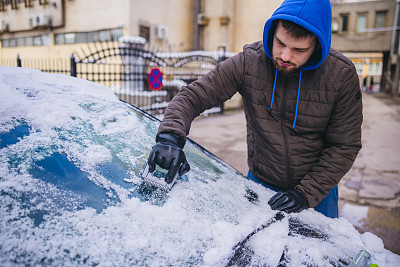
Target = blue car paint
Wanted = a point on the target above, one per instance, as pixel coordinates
(13, 136)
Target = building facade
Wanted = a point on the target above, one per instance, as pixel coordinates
(49, 29)
(57, 28)
(365, 31)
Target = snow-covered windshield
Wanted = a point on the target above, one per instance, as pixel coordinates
(71, 192)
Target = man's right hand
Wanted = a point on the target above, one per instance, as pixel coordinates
(168, 154)
(288, 201)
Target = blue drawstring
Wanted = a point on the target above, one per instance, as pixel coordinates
(297, 102)
(273, 90)
(298, 96)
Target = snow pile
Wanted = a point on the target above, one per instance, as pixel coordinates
(213, 54)
(132, 40)
(127, 90)
(114, 221)
(124, 40)
(174, 83)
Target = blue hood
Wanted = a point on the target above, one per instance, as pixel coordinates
(314, 15)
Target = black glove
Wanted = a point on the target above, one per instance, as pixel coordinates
(168, 154)
(289, 201)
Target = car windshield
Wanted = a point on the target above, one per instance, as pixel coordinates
(71, 158)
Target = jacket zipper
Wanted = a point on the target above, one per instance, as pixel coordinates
(288, 169)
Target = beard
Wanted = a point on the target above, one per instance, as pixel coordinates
(286, 70)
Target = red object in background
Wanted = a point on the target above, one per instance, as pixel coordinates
(154, 79)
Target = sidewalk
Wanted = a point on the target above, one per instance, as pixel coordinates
(370, 191)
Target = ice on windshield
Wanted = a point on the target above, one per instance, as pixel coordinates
(71, 155)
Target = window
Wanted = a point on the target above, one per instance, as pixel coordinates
(116, 34)
(359, 65)
(144, 32)
(69, 38)
(104, 36)
(361, 25)
(20, 42)
(5, 43)
(93, 37)
(59, 38)
(380, 19)
(81, 37)
(88, 37)
(29, 41)
(13, 42)
(37, 41)
(46, 39)
(375, 67)
(344, 23)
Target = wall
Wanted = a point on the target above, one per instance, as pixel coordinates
(247, 19)
(18, 19)
(76, 16)
(90, 15)
(250, 17)
(216, 33)
(176, 15)
(353, 41)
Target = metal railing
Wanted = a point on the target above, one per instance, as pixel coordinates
(125, 69)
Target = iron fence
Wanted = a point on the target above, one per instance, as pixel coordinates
(124, 67)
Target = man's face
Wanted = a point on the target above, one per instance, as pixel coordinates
(291, 54)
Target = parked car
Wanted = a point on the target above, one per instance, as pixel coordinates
(71, 192)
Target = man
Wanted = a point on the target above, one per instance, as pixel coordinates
(302, 103)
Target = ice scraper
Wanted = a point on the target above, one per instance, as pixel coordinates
(157, 178)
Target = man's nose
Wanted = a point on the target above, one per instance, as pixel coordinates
(286, 55)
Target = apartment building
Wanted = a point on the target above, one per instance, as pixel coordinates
(57, 28)
(363, 30)
(366, 32)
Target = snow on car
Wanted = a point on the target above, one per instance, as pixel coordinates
(71, 192)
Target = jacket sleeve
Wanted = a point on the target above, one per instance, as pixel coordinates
(342, 141)
(209, 91)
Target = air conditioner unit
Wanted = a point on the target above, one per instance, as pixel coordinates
(335, 27)
(161, 32)
(39, 20)
(3, 25)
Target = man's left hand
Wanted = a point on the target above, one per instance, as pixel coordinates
(288, 201)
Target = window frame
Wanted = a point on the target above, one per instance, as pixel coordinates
(358, 14)
(59, 39)
(145, 32)
(341, 15)
(386, 12)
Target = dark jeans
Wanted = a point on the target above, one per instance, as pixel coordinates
(328, 206)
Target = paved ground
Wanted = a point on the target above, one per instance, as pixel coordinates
(369, 193)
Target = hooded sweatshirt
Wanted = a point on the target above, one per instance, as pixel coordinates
(303, 13)
(304, 128)
(314, 15)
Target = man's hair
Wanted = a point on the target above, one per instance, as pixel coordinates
(299, 32)
(295, 30)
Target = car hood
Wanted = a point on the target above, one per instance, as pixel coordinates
(71, 192)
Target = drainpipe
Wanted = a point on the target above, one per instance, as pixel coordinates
(197, 26)
(395, 85)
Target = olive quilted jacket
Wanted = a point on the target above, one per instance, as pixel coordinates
(304, 134)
